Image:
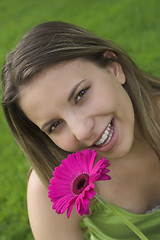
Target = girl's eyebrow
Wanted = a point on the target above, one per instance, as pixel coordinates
(74, 89)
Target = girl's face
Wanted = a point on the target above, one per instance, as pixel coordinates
(81, 105)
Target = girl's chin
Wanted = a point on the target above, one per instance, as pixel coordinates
(115, 154)
(121, 148)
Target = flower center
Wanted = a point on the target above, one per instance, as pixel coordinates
(80, 183)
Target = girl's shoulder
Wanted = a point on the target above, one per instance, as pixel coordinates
(45, 223)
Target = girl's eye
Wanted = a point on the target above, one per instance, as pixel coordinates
(54, 126)
(81, 94)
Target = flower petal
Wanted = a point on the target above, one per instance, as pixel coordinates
(88, 159)
(90, 194)
(71, 205)
(82, 206)
(79, 161)
(92, 160)
(101, 164)
(62, 204)
(63, 174)
(94, 177)
(104, 177)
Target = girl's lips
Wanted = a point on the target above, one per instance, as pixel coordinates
(105, 136)
(106, 147)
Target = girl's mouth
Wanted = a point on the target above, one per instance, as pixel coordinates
(106, 136)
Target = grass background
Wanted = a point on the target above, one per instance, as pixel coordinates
(132, 24)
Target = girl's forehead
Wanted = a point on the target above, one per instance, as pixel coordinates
(51, 87)
(63, 73)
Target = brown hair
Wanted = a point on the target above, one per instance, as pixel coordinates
(49, 44)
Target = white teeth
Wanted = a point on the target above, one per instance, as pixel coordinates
(107, 134)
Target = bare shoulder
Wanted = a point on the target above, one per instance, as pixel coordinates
(45, 223)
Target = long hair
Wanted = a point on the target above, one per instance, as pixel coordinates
(49, 44)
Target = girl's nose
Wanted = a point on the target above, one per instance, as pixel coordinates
(81, 127)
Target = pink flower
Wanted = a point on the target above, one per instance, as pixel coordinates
(73, 181)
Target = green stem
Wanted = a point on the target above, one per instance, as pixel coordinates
(123, 219)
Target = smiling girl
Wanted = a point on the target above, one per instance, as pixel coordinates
(65, 90)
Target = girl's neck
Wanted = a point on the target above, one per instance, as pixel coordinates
(135, 179)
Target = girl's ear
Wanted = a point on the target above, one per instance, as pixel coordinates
(115, 68)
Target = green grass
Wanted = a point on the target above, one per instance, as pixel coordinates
(134, 25)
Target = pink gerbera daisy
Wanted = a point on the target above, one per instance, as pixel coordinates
(73, 181)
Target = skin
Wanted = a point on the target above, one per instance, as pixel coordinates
(78, 123)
